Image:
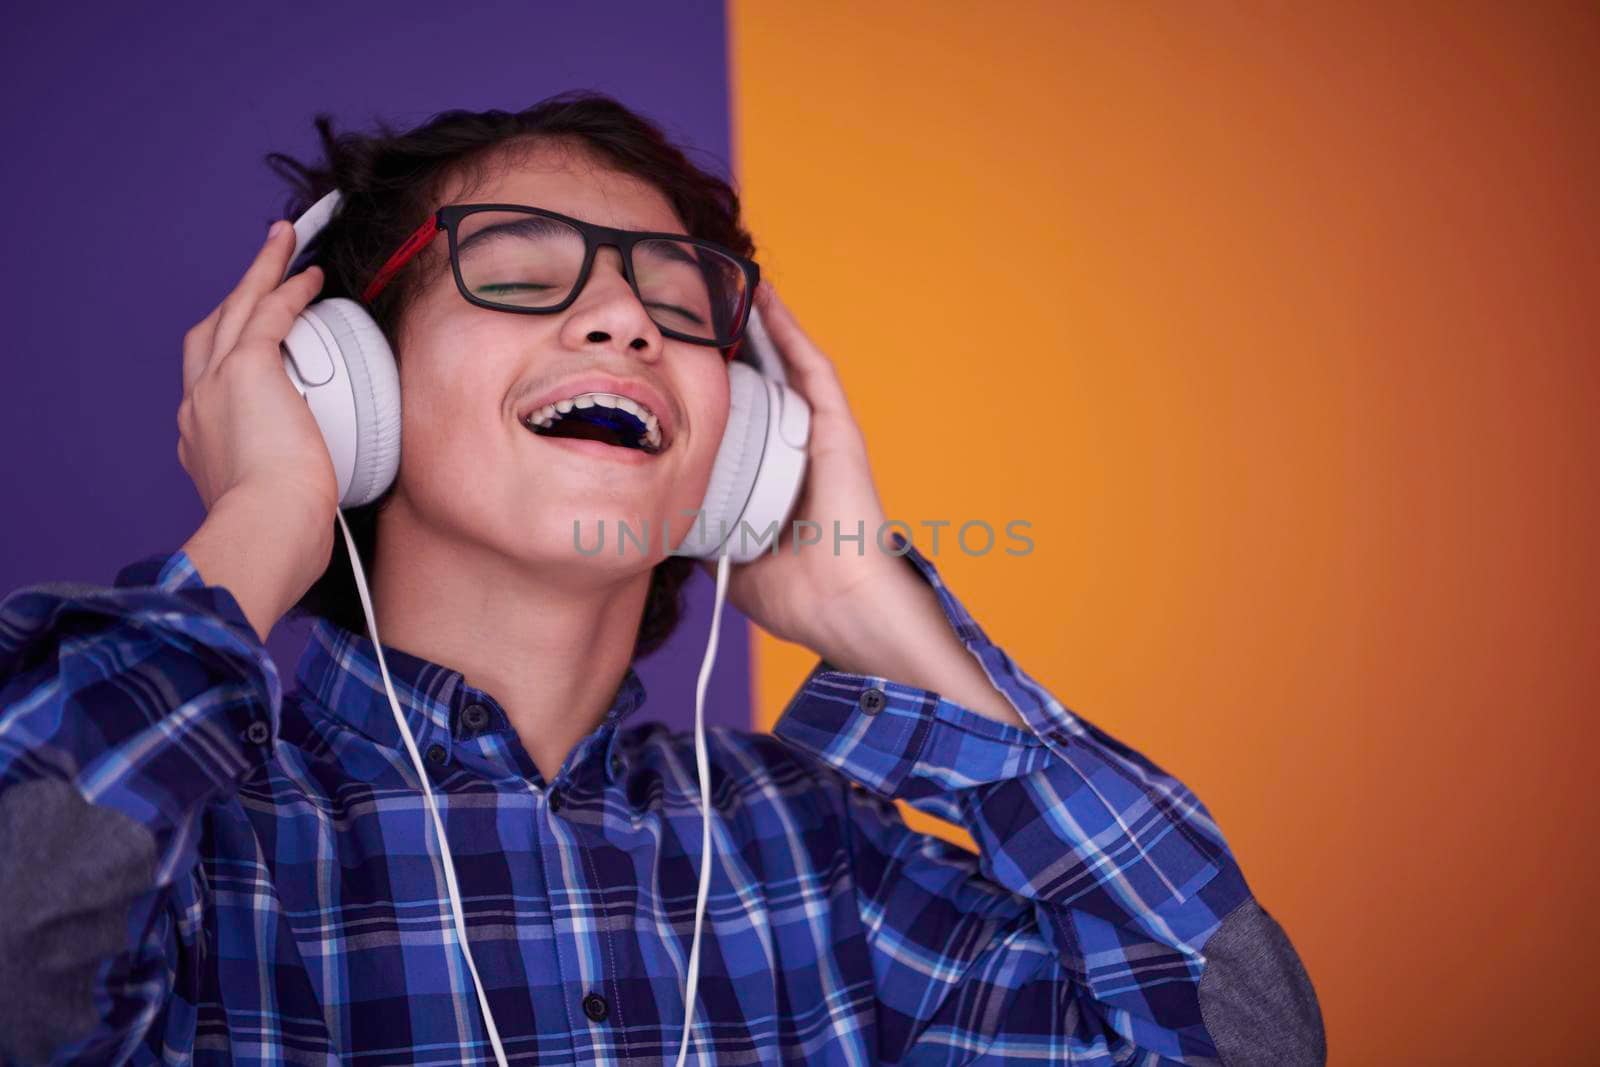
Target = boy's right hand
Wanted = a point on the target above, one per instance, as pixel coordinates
(248, 439)
(242, 427)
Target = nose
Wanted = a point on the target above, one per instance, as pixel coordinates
(608, 313)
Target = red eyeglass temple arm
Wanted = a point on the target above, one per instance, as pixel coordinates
(402, 255)
(418, 240)
(729, 353)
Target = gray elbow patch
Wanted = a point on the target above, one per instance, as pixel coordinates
(69, 871)
(1256, 999)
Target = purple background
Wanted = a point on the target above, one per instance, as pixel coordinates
(136, 196)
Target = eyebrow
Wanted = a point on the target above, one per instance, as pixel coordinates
(539, 225)
(526, 226)
(674, 251)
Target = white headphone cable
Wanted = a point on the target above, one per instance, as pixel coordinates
(703, 771)
(433, 808)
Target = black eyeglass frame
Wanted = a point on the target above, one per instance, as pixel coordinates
(595, 237)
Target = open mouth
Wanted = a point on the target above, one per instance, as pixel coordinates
(604, 417)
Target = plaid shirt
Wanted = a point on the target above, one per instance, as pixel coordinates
(205, 869)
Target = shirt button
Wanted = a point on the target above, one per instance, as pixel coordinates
(476, 717)
(595, 1006)
(555, 800)
(257, 732)
(872, 701)
(616, 765)
(435, 753)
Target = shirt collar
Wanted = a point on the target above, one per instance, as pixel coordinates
(339, 671)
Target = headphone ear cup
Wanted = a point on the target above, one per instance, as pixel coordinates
(779, 476)
(353, 391)
(759, 470)
(738, 462)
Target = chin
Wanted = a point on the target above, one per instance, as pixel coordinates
(604, 506)
(583, 531)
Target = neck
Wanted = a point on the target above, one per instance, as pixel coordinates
(552, 654)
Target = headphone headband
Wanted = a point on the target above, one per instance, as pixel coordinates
(313, 221)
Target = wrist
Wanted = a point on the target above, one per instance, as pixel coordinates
(896, 628)
(266, 551)
(875, 621)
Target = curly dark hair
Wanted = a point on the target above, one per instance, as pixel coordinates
(391, 181)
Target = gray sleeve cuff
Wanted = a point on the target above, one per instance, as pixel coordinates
(1256, 999)
(69, 875)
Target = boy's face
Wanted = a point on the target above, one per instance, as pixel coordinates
(472, 471)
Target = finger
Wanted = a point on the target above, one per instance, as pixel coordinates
(264, 275)
(812, 371)
(197, 348)
(275, 313)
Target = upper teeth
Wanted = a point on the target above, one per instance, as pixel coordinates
(546, 416)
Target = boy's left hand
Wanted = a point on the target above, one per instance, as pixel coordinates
(801, 595)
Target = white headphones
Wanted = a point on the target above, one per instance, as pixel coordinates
(340, 361)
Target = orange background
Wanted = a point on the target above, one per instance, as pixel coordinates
(1279, 325)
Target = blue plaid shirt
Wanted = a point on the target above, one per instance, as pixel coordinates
(200, 868)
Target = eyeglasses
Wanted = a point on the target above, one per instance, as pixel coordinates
(510, 257)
